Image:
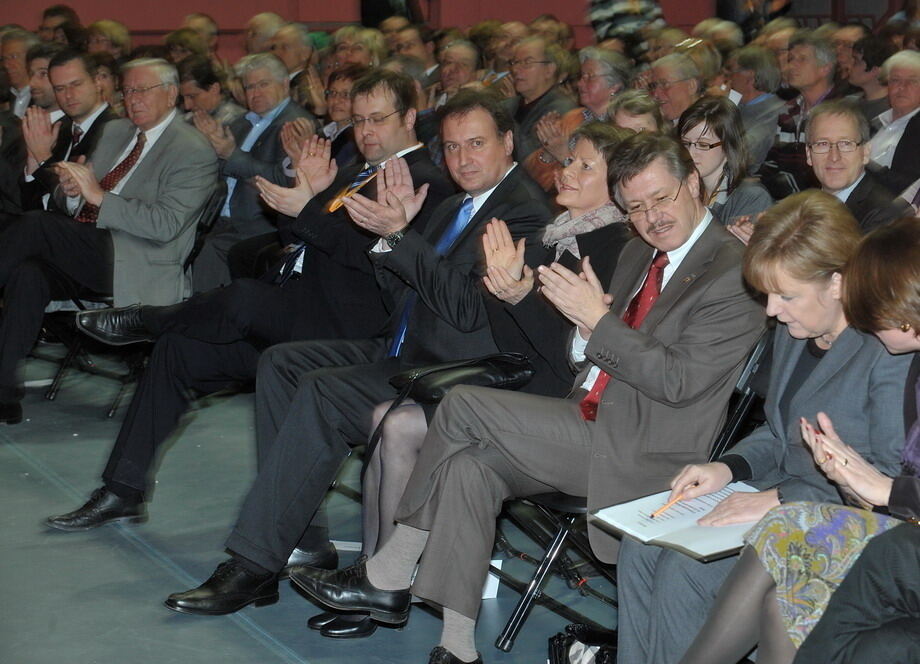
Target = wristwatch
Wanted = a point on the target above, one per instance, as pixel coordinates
(393, 238)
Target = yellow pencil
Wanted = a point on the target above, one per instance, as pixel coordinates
(671, 503)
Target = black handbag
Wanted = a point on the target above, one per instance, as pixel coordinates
(508, 371)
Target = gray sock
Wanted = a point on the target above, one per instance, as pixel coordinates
(459, 636)
(392, 566)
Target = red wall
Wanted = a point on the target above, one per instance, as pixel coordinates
(149, 20)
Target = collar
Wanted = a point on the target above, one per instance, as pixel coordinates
(676, 256)
(756, 100)
(91, 118)
(401, 153)
(155, 132)
(54, 116)
(254, 118)
(294, 73)
(887, 120)
(430, 69)
(484, 196)
(844, 194)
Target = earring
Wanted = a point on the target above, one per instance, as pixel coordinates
(905, 327)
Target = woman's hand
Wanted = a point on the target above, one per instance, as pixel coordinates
(549, 131)
(844, 465)
(741, 508)
(742, 228)
(699, 479)
(500, 249)
(500, 283)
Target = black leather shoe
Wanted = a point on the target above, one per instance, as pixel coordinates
(348, 589)
(119, 326)
(230, 588)
(349, 626)
(10, 413)
(320, 620)
(441, 655)
(324, 558)
(102, 507)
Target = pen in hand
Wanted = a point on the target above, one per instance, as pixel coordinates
(671, 503)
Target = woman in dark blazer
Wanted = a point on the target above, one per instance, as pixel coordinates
(820, 363)
(798, 555)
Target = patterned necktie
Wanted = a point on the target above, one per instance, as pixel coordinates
(89, 213)
(76, 136)
(445, 242)
(360, 180)
(636, 312)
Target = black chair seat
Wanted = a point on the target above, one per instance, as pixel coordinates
(561, 502)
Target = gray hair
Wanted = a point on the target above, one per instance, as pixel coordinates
(844, 107)
(615, 67)
(267, 23)
(302, 31)
(728, 32)
(763, 63)
(165, 71)
(683, 66)
(468, 45)
(407, 64)
(825, 53)
(268, 61)
(909, 59)
(17, 34)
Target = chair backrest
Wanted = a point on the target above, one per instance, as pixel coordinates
(743, 398)
(209, 216)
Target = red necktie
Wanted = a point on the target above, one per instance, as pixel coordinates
(636, 312)
(76, 136)
(90, 212)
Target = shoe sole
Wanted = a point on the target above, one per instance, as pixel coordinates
(385, 617)
(106, 340)
(363, 635)
(12, 420)
(132, 520)
(268, 600)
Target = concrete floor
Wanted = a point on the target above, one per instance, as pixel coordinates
(83, 598)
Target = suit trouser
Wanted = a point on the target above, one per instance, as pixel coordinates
(211, 268)
(81, 252)
(483, 447)
(664, 599)
(314, 401)
(874, 615)
(204, 344)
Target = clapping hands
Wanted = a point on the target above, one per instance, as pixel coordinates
(397, 202)
(507, 277)
(578, 297)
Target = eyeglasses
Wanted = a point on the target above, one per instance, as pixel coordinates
(258, 85)
(703, 146)
(372, 121)
(527, 64)
(665, 85)
(341, 94)
(589, 77)
(641, 214)
(823, 147)
(128, 92)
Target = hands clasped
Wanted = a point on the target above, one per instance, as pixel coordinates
(76, 178)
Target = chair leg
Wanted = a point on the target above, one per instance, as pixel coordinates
(73, 351)
(505, 641)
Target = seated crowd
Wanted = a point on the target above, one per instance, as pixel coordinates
(333, 210)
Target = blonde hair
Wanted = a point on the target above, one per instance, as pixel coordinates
(117, 33)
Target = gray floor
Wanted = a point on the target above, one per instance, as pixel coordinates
(92, 597)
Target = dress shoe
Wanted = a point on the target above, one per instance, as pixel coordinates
(119, 326)
(592, 636)
(10, 413)
(326, 557)
(102, 507)
(349, 626)
(441, 655)
(348, 589)
(320, 620)
(230, 588)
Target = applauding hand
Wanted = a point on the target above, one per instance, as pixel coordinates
(578, 297)
(286, 200)
(317, 164)
(397, 202)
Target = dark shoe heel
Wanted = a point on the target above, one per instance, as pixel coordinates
(137, 520)
(266, 601)
(392, 619)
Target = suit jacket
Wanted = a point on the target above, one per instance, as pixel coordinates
(249, 215)
(45, 180)
(873, 204)
(536, 329)
(449, 319)
(152, 220)
(858, 384)
(525, 135)
(905, 167)
(337, 276)
(904, 501)
(672, 377)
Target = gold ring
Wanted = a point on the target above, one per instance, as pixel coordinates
(822, 461)
(845, 461)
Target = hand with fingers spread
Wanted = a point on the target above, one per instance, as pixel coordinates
(844, 465)
(39, 136)
(294, 135)
(578, 297)
(81, 180)
(553, 139)
(742, 228)
(397, 202)
(219, 136)
(286, 200)
(317, 164)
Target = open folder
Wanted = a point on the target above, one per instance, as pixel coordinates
(676, 528)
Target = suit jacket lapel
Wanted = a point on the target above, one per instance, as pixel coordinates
(786, 352)
(844, 348)
(627, 281)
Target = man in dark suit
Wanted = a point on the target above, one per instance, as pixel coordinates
(329, 389)
(659, 367)
(251, 146)
(72, 76)
(215, 338)
(837, 149)
(131, 220)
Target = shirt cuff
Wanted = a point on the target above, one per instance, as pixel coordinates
(741, 469)
(381, 247)
(579, 344)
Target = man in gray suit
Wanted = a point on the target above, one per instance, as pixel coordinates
(134, 212)
(668, 372)
(250, 146)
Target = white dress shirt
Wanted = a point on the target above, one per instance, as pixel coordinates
(675, 258)
(883, 145)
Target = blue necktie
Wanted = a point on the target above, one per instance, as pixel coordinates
(446, 241)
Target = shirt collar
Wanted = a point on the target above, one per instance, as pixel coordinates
(844, 194)
(254, 118)
(56, 115)
(91, 118)
(756, 100)
(154, 133)
(887, 118)
(484, 196)
(401, 153)
(676, 256)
